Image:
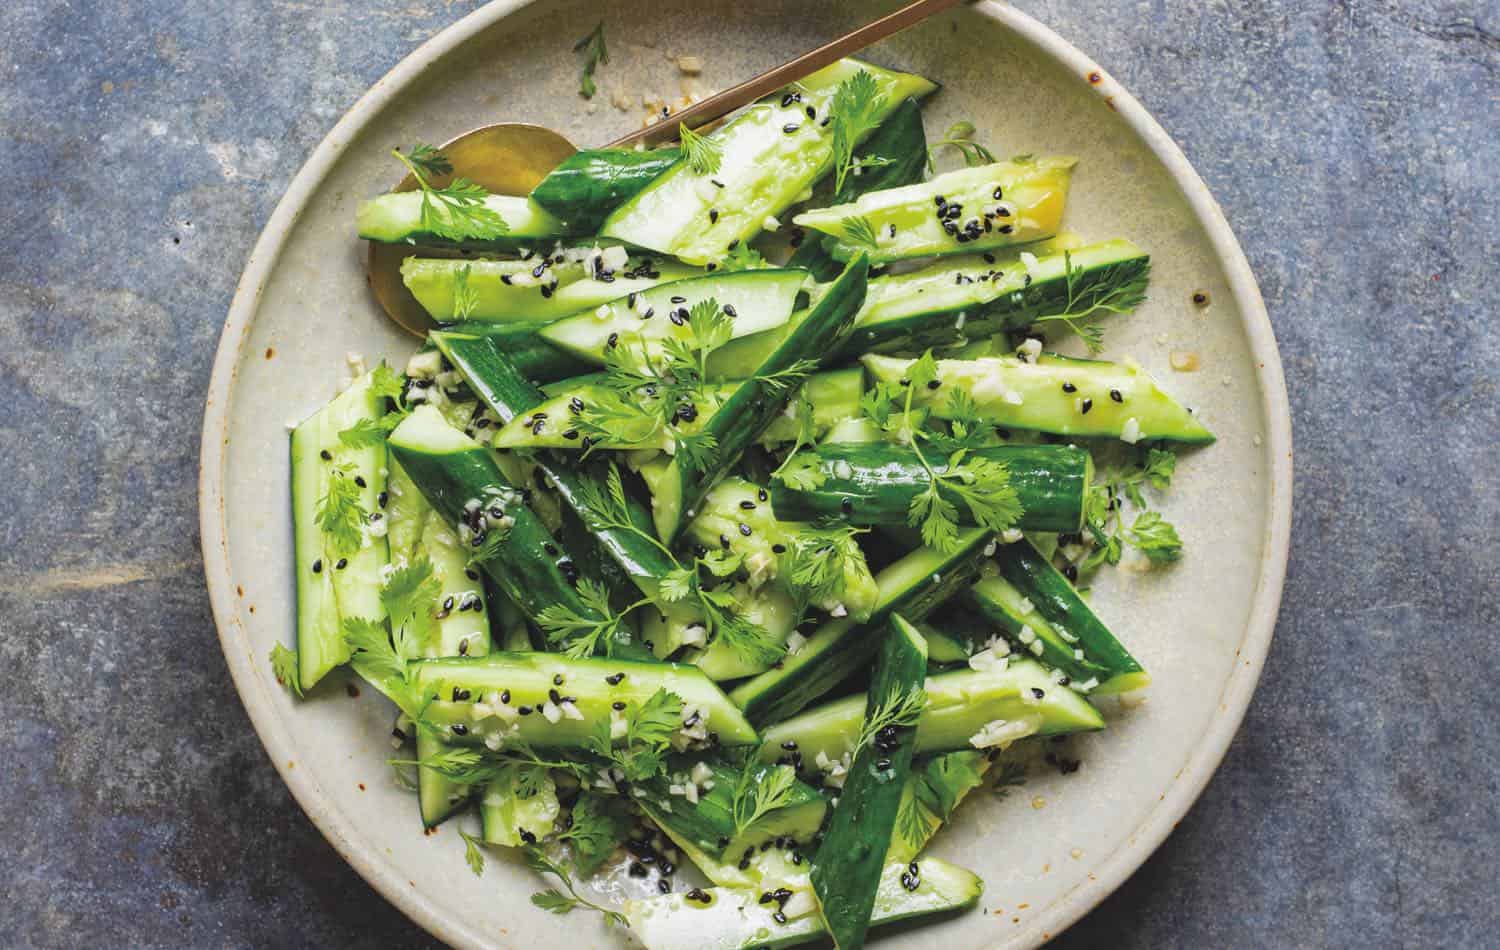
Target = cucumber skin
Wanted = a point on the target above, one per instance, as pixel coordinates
(902, 141)
(711, 820)
(522, 567)
(1051, 482)
(841, 647)
(1057, 600)
(588, 185)
(509, 394)
(739, 422)
(521, 343)
(846, 869)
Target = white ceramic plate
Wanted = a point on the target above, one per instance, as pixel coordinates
(1047, 853)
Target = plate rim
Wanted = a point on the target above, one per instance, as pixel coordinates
(248, 671)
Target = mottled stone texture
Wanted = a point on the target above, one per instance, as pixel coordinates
(1352, 145)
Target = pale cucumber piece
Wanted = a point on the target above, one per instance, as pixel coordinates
(999, 205)
(772, 154)
(760, 300)
(334, 584)
(1017, 394)
(510, 291)
(735, 919)
(396, 218)
(504, 815)
(959, 705)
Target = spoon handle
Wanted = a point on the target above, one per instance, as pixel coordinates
(702, 113)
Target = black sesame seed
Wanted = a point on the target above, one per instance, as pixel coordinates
(448, 603)
(505, 696)
(556, 697)
(999, 193)
(790, 745)
(1071, 572)
(812, 113)
(318, 566)
(790, 127)
(459, 729)
(730, 312)
(1116, 395)
(1085, 406)
(614, 679)
(664, 885)
(341, 563)
(778, 548)
(732, 244)
(697, 894)
(748, 505)
(463, 647)
(1069, 388)
(1038, 693)
(557, 679)
(934, 383)
(570, 434)
(524, 710)
(613, 341)
(550, 548)
(847, 505)
(723, 542)
(617, 706)
(1005, 228)
(744, 529)
(779, 917)
(713, 215)
(761, 494)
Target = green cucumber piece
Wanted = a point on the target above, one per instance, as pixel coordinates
(874, 484)
(521, 343)
(897, 150)
(511, 396)
(761, 299)
(769, 547)
(709, 823)
(552, 423)
(750, 410)
(1030, 593)
(396, 218)
(461, 481)
(770, 608)
(846, 869)
(335, 582)
(914, 585)
(974, 296)
(594, 683)
(588, 185)
(727, 918)
(1087, 406)
(772, 155)
(932, 793)
(982, 208)
(510, 819)
(511, 291)
(959, 705)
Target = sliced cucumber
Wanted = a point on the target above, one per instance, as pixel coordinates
(770, 544)
(552, 424)
(897, 155)
(679, 625)
(846, 869)
(724, 918)
(511, 819)
(1031, 594)
(876, 483)
(759, 299)
(750, 410)
(959, 705)
(336, 581)
(502, 684)
(539, 288)
(772, 152)
(396, 218)
(914, 585)
(972, 209)
(460, 479)
(931, 794)
(709, 823)
(521, 343)
(588, 185)
(1056, 394)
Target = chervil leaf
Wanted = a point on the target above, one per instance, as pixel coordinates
(386, 382)
(1154, 536)
(802, 473)
(366, 433)
(936, 516)
(677, 585)
(984, 486)
(760, 792)
(411, 589)
(1116, 290)
(596, 826)
(457, 212)
(960, 136)
(431, 161)
(375, 657)
(743, 257)
(473, 856)
(339, 513)
(1160, 466)
(703, 154)
(594, 52)
(284, 666)
(858, 230)
(582, 632)
(854, 112)
(465, 297)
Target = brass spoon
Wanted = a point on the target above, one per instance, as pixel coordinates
(511, 158)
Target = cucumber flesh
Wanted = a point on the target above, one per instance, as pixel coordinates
(933, 791)
(335, 583)
(914, 585)
(512, 291)
(509, 820)
(761, 299)
(959, 705)
(521, 343)
(735, 918)
(981, 209)
(396, 218)
(772, 154)
(529, 680)
(709, 822)
(1056, 394)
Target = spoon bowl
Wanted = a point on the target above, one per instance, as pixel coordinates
(508, 158)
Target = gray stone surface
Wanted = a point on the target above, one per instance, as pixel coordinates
(1352, 145)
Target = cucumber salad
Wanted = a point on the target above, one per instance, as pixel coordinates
(738, 514)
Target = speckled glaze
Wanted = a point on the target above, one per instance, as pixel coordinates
(1047, 854)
